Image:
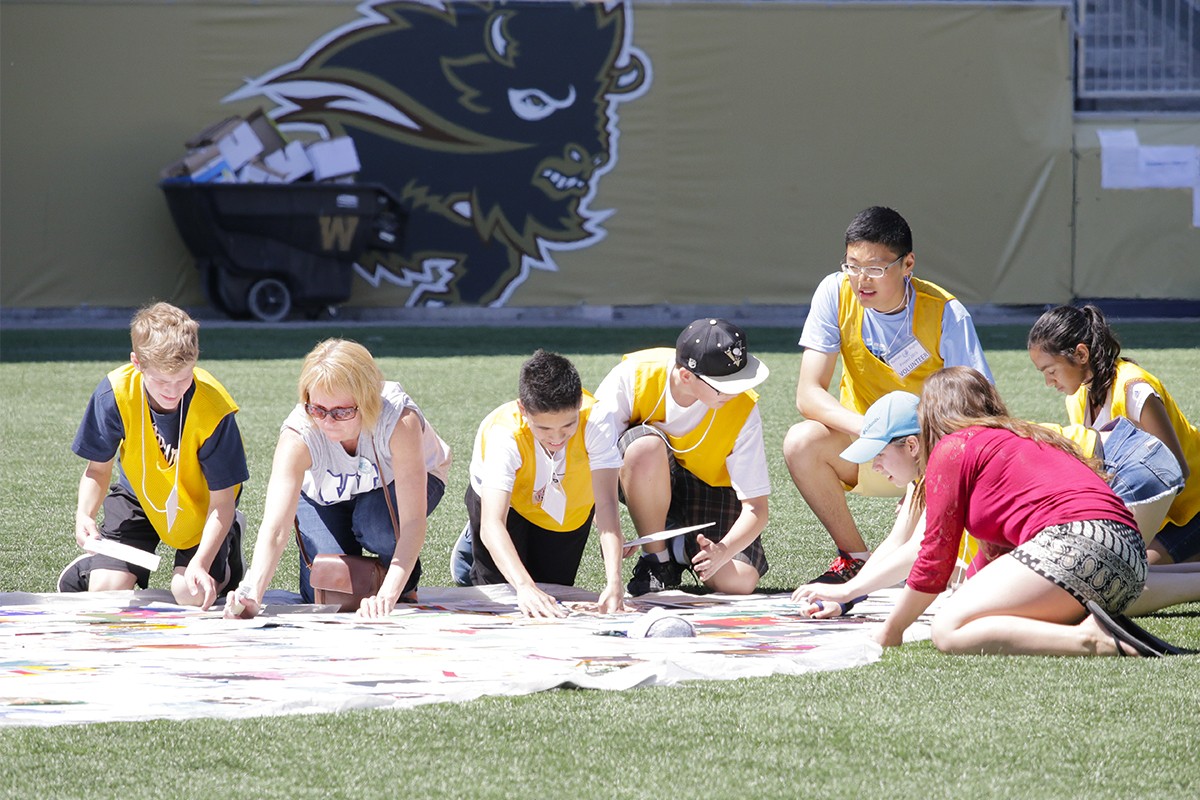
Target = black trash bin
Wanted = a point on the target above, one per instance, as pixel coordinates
(266, 249)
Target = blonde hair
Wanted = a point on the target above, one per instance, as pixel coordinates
(165, 338)
(342, 365)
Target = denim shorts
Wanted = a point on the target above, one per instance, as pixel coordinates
(1142, 467)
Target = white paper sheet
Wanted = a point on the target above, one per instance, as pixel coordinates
(107, 547)
(112, 656)
(1118, 159)
(664, 535)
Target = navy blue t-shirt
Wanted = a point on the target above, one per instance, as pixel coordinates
(222, 456)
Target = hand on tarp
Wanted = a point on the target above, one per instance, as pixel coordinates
(533, 602)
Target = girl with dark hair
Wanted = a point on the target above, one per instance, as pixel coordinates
(1078, 354)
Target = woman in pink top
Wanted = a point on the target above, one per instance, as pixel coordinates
(1018, 487)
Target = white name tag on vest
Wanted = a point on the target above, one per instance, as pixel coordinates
(908, 358)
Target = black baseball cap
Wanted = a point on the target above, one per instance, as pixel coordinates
(715, 350)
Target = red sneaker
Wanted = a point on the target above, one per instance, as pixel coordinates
(842, 569)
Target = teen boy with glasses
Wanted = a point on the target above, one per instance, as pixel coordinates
(891, 331)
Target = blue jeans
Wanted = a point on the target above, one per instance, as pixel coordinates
(354, 525)
(1142, 467)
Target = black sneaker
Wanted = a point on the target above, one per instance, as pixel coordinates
(841, 570)
(652, 575)
(74, 577)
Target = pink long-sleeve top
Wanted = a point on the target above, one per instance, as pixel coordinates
(1003, 489)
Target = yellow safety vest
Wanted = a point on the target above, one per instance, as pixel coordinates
(703, 450)
(865, 377)
(145, 466)
(576, 480)
(1187, 502)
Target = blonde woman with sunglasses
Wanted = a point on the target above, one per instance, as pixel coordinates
(351, 436)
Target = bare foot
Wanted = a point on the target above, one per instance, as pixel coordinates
(1100, 642)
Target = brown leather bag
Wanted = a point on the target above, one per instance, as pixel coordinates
(344, 580)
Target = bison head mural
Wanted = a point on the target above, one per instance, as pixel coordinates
(491, 122)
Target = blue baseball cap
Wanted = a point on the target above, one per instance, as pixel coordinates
(889, 417)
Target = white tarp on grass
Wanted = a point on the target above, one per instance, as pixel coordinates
(101, 657)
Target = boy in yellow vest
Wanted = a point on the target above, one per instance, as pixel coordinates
(891, 331)
(540, 472)
(171, 427)
(687, 426)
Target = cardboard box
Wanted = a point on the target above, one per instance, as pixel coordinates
(239, 145)
(215, 170)
(291, 162)
(223, 151)
(203, 165)
(213, 133)
(333, 158)
(264, 128)
(257, 172)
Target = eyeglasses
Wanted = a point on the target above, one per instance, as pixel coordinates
(870, 272)
(339, 414)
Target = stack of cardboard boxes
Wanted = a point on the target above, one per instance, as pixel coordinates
(251, 149)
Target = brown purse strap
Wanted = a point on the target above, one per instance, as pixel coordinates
(300, 543)
(387, 498)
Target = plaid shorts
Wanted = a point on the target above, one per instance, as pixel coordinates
(694, 502)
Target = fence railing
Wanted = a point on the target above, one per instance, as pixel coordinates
(1138, 50)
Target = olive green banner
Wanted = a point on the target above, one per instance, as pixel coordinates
(735, 143)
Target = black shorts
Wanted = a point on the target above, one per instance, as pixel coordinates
(548, 556)
(125, 521)
(694, 502)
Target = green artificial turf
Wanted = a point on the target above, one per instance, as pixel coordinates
(916, 724)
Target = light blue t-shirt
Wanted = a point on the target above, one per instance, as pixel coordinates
(888, 334)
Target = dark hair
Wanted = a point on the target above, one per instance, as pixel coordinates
(880, 225)
(1060, 330)
(549, 382)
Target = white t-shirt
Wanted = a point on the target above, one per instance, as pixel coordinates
(1136, 395)
(499, 469)
(888, 334)
(747, 464)
(337, 476)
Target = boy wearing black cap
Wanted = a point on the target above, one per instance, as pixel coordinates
(687, 426)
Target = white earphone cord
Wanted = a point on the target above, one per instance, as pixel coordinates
(712, 415)
(142, 433)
